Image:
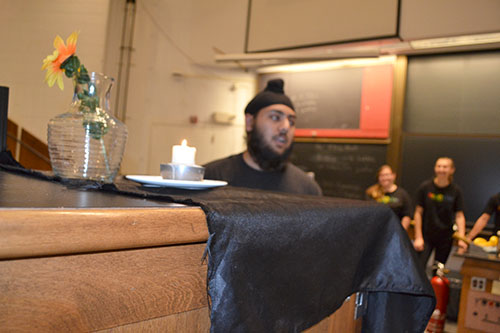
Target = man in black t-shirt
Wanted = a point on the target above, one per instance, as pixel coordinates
(270, 126)
(492, 207)
(442, 204)
(439, 205)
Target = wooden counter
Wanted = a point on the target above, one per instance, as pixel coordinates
(479, 307)
(75, 260)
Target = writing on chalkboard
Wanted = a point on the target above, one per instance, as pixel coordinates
(342, 170)
(324, 99)
(305, 103)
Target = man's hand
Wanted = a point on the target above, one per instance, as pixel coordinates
(462, 246)
(418, 244)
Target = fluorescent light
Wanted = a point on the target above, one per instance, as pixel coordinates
(455, 41)
(299, 55)
(324, 65)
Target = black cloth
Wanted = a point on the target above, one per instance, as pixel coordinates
(281, 263)
(236, 172)
(493, 207)
(7, 159)
(399, 201)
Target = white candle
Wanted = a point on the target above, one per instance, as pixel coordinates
(183, 154)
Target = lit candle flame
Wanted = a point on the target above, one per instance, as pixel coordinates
(183, 154)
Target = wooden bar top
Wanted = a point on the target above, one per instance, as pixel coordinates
(39, 218)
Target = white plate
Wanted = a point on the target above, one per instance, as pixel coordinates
(184, 184)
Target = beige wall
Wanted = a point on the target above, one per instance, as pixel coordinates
(174, 77)
(170, 36)
(27, 32)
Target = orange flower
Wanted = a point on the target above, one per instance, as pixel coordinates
(52, 63)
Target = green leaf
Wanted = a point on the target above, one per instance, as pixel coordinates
(83, 75)
(70, 66)
(88, 103)
(96, 123)
(97, 129)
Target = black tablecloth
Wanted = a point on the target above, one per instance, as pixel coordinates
(281, 263)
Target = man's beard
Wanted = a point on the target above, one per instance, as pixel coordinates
(265, 156)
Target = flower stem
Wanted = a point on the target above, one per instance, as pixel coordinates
(103, 150)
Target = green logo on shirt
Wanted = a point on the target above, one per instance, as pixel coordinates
(387, 199)
(439, 197)
(435, 197)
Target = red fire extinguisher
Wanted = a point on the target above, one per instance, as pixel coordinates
(441, 286)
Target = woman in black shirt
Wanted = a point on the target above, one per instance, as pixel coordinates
(387, 192)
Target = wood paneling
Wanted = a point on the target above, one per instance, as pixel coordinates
(199, 321)
(487, 269)
(99, 291)
(398, 96)
(33, 154)
(196, 321)
(11, 134)
(37, 232)
(475, 268)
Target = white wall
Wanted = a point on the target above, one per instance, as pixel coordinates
(27, 32)
(174, 77)
(170, 36)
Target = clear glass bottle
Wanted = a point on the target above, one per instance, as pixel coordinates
(87, 142)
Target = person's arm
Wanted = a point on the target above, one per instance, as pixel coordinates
(418, 243)
(407, 209)
(405, 222)
(370, 193)
(481, 222)
(460, 221)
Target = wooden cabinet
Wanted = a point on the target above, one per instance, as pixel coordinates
(99, 269)
(479, 303)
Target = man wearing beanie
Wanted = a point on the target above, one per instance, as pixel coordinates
(270, 126)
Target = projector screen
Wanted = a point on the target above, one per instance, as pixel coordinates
(285, 24)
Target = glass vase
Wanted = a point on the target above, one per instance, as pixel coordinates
(87, 142)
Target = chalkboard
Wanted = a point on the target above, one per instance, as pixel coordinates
(342, 170)
(324, 99)
(452, 109)
(477, 162)
(454, 94)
